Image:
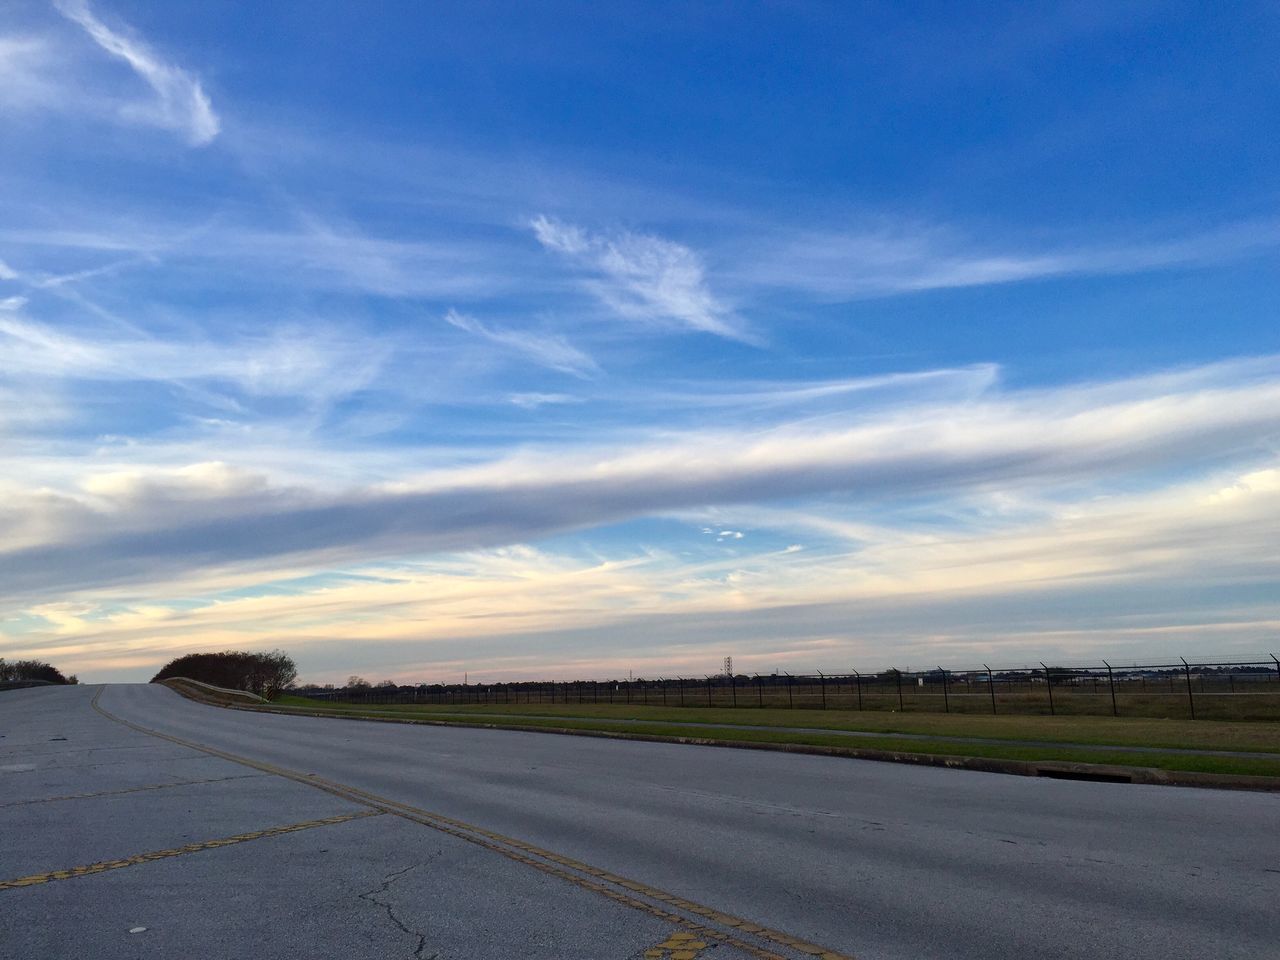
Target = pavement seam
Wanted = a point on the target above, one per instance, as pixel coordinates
(531, 855)
(122, 792)
(86, 870)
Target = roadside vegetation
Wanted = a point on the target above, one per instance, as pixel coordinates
(1253, 737)
(266, 674)
(16, 672)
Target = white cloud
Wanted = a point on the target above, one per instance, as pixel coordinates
(534, 400)
(906, 258)
(315, 364)
(7, 272)
(180, 103)
(1084, 437)
(561, 237)
(644, 277)
(904, 592)
(545, 349)
(26, 63)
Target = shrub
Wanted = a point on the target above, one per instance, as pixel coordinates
(32, 670)
(265, 674)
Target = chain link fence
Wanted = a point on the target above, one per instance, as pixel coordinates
(1195, 689)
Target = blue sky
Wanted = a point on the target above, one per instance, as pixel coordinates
(567, 339)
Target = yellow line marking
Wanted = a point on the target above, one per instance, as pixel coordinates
(526, 852)
(105, 865)
(116, 793)
(678, 946)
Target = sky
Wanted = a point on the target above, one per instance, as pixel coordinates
(563, 340)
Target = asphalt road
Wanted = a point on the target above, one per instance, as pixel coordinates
(348, 839)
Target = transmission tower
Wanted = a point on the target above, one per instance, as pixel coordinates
(728, 666)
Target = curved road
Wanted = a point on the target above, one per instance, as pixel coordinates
(421, 841)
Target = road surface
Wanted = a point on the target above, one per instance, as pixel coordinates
(235, 834)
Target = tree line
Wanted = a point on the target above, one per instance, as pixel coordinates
(266, 674)
(32, 670)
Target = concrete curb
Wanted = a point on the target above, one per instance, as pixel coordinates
(209, 691)
(1051, 769)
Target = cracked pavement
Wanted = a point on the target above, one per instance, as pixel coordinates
(202, 855)
(387, 881)
(377, 887)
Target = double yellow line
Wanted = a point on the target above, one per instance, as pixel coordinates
(105, 865)
(619, 889)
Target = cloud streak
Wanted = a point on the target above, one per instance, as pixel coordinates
(643, 277)
(544, 349)
(1078, 436)
(316, 365)
(180, 103)
(911, 258)
(975, 593)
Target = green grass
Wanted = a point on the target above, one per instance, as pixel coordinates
(1093, 734)
(1100, 731)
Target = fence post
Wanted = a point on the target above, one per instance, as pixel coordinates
(759, 691)
(991, 686)
(822, 683)
(1111, 677)
(1191, 700)
(1048, 682)
(898, 673)
(946, 698)
(858, 680)
(708, 690)
(791, 699)
(733, 688)
(680, 688)
(1273, 657)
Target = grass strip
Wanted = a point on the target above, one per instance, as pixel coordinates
(1241, 766)
(1251, 737)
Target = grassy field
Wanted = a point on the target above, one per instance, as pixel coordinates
(1166, 699)
(1089, 736)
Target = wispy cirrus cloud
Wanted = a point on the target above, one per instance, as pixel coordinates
(179, 102)
(644, 277)
(259, 250)
(907, 257)
(316, 364)
(26, 63)
(545, 349)
(532, 400)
